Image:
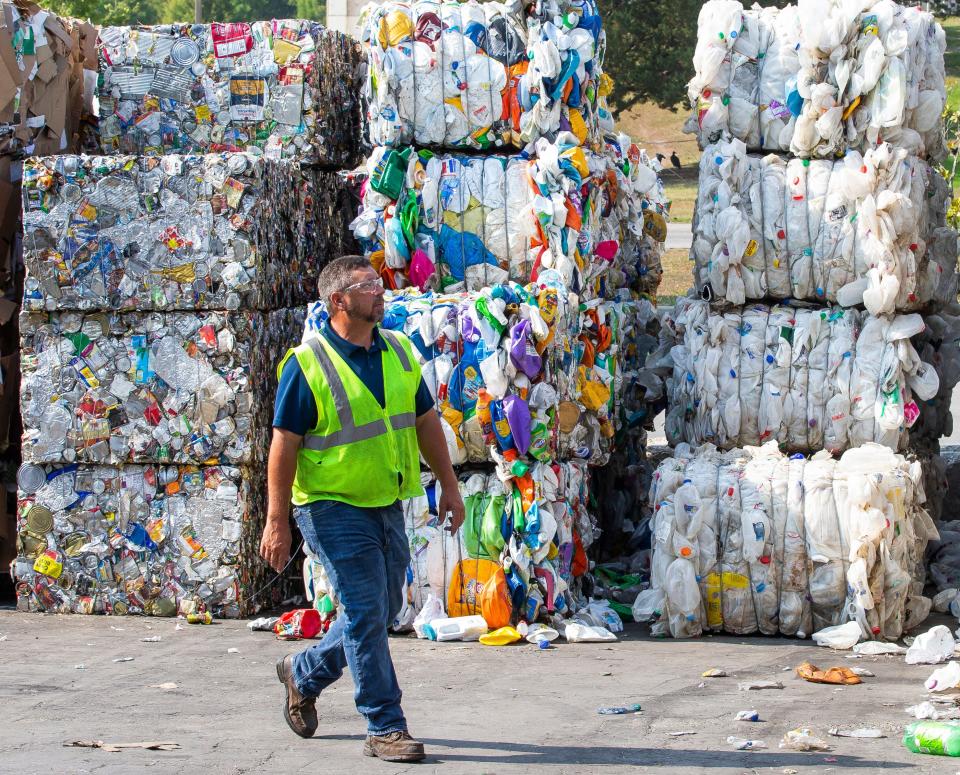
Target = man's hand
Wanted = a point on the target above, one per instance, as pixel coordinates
(281, 469)
(451, 503)
(433, 446)
(275, 544)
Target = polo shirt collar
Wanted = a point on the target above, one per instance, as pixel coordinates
(351, 349)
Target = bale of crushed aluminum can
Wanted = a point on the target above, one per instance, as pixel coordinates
(284, 88)
(153, 540)
(223, 231)
(183, 387)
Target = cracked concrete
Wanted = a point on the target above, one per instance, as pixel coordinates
(479, 710)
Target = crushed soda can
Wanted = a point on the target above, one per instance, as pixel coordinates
(284, 88)
(223, 231)
(180, 387)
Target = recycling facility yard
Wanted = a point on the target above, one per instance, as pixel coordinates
(478, 709)
(795, 487)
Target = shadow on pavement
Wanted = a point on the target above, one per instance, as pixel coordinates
(541, 755)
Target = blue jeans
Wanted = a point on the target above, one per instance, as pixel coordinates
(365, 554)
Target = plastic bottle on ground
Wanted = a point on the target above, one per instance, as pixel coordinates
(940, 738)
(456, 628)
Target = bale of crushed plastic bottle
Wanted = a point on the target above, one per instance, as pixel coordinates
(154, 540)
(181, 387)
(224, 231)
(535, 529)
(818, 78)
(595, 221)
(868, 229)
(807, 378)
(753, 541)
(484, 75)
(283, 88)
(526, 374)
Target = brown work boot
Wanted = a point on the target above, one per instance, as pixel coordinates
(299, 711)
(394, 747)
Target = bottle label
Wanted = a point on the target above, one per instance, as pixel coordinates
(928, 741)
(714, 589)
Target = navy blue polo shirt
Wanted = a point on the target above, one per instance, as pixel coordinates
(296, 408)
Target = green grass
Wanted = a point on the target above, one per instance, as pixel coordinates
(683, 197)
(677, 276)
(951, 59)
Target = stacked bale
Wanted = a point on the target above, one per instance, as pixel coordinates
(47, 71)
(826, 328)
(162, 289)
(522, 278)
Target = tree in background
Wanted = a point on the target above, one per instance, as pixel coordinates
(169, 11)
(311, 9)
(650, 46)
(109, 11)
(228, 10)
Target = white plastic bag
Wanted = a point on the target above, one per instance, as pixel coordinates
(647, 605)
(432, 609)
(934, 646)
(944, 678)
(575, 632)
(841, 637)
(601, 614)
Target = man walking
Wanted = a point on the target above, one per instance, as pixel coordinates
(352, 410)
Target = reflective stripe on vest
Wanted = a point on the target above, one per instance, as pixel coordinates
(350, 432)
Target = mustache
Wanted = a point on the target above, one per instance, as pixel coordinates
(374, 315)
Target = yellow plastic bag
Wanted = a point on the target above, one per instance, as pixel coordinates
(577, 125)
(466, 586)
(502, 637)
(594, 395)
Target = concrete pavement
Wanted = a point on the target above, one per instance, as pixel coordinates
(479, 709)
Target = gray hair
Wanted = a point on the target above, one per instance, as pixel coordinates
(336, 276)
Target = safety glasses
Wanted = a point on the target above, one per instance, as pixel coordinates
(366, 286)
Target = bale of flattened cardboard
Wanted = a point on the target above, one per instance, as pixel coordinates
(47, 65)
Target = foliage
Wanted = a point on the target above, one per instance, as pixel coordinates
(650, 46)
(311, 9)
(108, 11)
(951, 168)
(168, 11)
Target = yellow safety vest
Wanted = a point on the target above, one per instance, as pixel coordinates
(359, 453)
